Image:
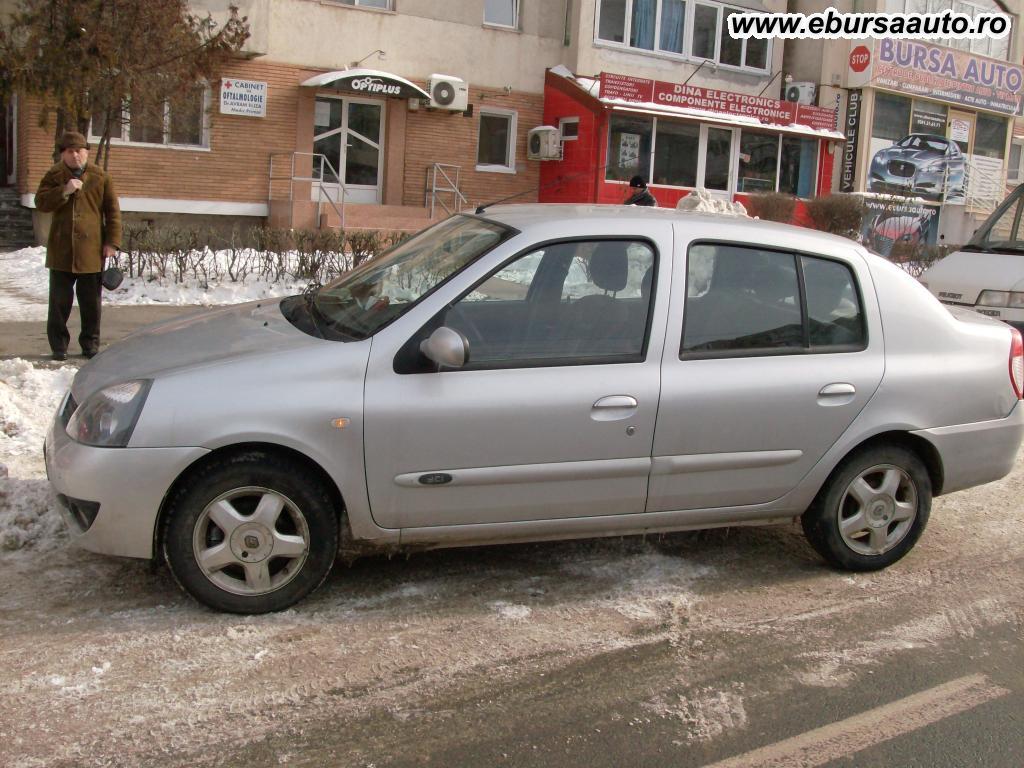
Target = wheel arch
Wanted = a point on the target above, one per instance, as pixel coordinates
(338, 501)
(927, 452)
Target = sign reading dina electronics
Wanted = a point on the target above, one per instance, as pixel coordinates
(768, 111)
(243, 97)
(943, 74)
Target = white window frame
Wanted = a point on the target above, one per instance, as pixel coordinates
(126, 129)
(568, 121)
(687, 54)
(366, 6)
(513, 116)
(499, 25)
(1015, 175)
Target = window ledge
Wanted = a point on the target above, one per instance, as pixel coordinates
(495, 169)
(501, 27)
(94, 141)
(371, 9)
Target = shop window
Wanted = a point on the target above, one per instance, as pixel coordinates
(496, 143)
(1015, 173)
(502, 13)
(629, 148)
(892, 117)
(928, 117)
(798, 166)
(180, 122)
(675, 154)
(569, 128)
(990, 137)
(662, 26)
(759, 161)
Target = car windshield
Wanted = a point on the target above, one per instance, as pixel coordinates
(924, 142)
(1001, 232)
(363, 301)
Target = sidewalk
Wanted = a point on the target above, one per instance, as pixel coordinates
(28, 339)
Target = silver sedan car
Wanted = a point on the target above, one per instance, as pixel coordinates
(539, 372)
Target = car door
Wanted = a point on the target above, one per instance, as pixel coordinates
(770, 355)
(553, 417)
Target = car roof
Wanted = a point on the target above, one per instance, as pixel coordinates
(726, 226)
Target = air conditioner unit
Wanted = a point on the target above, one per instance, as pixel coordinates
(447, 92)
(801, 93)
(544, 143)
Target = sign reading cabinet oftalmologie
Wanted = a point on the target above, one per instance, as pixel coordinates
(243, 97)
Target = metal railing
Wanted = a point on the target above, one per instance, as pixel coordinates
(985, 190)
(318, 163)
(447, 186)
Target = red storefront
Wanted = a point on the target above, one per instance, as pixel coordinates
(680, 137)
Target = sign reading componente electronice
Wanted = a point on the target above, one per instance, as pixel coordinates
(944, 74)
(767, 111)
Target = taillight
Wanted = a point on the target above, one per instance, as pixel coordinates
(1017, 364)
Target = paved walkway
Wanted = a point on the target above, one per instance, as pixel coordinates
(28, 339)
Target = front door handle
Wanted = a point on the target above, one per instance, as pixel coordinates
(613, 408)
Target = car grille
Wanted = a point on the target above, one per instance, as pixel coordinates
(69, 409)
(901, 169)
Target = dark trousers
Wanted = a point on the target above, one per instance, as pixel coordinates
(63, 287)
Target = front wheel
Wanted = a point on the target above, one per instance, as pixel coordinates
(251, 533)
(872, 510)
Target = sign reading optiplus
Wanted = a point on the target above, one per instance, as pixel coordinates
(767, 111)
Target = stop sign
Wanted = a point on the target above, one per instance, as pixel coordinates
(860, 57)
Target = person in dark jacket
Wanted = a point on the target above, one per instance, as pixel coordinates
(638, 194)
(85, 230)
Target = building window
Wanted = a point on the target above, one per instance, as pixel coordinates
(892, 117)
(384, 5)
(569, 128)
(502, 13)
(990, 136)
(675, 156)
(663, 26)
(798, 166)
(1015, 173)
(759, 162)
(181, 123)
(629, 148)
(496, 145)
(997, 49)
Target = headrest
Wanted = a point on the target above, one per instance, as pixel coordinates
(609, 267)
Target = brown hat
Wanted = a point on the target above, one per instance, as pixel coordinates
(72, 140)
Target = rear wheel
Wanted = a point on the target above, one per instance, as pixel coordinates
(251, 533)
(872, 510)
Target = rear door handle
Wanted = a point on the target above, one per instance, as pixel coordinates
(614, 407)
(839, 393)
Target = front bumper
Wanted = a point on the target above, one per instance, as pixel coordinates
(128, 484)
(978, 453)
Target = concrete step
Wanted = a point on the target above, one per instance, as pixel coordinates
(403, 218)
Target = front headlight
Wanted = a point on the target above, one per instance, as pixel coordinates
(107, 418)
(1012, 299)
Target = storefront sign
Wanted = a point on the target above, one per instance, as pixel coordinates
(243, 97)
(943, 74)
(854, 107)
(768, 111)
(960, 130)
(928, 121)
(378, 84)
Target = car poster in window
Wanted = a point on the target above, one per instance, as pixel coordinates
(897, 227)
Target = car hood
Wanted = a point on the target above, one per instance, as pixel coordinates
(908, 155)
(968, 274)
(211, 337)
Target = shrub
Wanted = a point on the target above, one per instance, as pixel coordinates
(838, 213)
(772, 206)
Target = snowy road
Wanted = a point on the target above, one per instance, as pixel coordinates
(682, 650)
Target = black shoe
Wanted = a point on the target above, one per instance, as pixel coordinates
(60, 355)
(90, 353)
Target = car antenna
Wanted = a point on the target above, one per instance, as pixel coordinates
(555, 183)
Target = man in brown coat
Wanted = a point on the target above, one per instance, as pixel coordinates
(85, 230)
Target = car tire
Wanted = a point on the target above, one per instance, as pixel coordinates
(251, 533)
(872, 509)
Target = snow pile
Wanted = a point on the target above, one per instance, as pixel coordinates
(701, 201)
(28, 399)
(24, 286)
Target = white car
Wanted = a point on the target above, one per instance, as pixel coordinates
(987, 274)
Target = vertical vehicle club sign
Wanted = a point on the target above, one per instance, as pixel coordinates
(851, 127)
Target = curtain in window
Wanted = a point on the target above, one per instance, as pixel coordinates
(673, 15)
(642, 30)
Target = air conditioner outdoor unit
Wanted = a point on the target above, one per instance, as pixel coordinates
(447, 92)
(544, 143)
(801, 93)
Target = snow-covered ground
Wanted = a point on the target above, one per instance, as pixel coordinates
(25, 280)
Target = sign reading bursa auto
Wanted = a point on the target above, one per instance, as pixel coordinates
(243, 97)
(767, 111)
(943, 74)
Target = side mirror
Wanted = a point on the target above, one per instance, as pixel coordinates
(446, 347)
